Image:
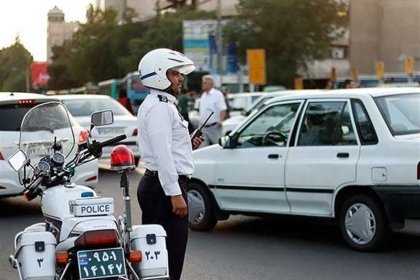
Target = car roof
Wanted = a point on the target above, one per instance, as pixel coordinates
(345, 93)
(13, 97)
(81, 96)
(247, 93)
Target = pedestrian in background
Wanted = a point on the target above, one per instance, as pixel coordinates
(212, 100)
(225, 92)
(124, 100)
(166, 149)
(183, 107)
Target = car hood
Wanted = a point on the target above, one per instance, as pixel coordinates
(409, 137)
(206, 153)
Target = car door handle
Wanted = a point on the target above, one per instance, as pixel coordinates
(343, 155)
(273, 156)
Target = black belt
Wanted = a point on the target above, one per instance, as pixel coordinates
(211, 124)
(151, 173)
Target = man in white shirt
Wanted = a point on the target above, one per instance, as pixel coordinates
(211, 100)
(166, 149)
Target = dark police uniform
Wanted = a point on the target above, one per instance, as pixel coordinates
(166, 150)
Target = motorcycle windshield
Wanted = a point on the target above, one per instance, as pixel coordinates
(42, 127)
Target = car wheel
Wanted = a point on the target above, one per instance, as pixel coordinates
(200, 214)
(363, 223)
(136, 161)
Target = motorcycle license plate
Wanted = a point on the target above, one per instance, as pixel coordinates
(101, 263)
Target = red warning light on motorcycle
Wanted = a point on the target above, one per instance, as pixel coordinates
(122, 158)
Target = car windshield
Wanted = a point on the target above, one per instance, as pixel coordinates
(84, 107)
(401, 112)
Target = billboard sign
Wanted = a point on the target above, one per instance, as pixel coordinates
(200, 45)
(39, 74)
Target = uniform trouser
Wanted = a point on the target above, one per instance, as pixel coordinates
(157, 209)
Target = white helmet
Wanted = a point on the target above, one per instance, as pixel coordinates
(154, 64)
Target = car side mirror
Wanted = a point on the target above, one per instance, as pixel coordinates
(227, 142)
(18, 160)
(101, 118)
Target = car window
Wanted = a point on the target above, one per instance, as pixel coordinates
(326, 124)
(85, 107)
(364, 125)
(401, 112)
(269, 128)
(11, 117)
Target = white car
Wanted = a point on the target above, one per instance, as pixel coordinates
(82, 106)
(357, 161)
(13, 106)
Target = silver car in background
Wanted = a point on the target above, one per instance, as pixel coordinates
(82, 106)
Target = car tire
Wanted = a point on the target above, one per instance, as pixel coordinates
(136, 161)
(363, 223)
(200, 212)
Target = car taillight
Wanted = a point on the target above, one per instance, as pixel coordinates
(83, 136)
(418, 171)
(135, 132)
(1, 156)
(93, 178)
(97, 237)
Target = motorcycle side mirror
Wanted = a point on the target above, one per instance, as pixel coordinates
(18, 160)
(101, 118)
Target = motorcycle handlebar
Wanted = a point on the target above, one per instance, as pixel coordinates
(113, 140)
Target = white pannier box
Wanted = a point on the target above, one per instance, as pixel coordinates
(35, 254)
(151, 241)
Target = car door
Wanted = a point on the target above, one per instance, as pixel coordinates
(250, 176)
(323, 158)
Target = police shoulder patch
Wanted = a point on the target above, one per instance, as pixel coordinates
(163, 98)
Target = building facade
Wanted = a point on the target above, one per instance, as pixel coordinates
(58, 30)
(384, 30)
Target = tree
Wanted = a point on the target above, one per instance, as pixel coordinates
(14, 67)
(293, 33)
(103, 49)
(164, 31)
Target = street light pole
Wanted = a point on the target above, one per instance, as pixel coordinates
(219, 39)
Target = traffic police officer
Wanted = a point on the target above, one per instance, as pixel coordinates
(166, 149)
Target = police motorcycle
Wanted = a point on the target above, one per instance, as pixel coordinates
(80, 238)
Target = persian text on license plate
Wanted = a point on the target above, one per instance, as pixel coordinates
(101, 263)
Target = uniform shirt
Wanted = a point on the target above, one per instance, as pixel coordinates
(211, 101)
(163, 139)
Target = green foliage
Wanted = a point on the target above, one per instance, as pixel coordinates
(292, 33)
(102, 49)
(14, 66)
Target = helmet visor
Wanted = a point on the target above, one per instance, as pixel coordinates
(185, 69)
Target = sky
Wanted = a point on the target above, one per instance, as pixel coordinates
(28, 19)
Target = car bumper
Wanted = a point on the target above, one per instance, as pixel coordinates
(401, 202)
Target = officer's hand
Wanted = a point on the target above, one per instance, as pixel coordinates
(196, 142)
(179, 207)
